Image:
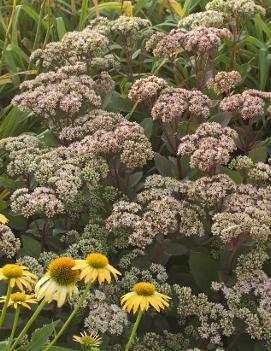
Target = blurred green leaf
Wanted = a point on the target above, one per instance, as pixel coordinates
(31, 247)
(259, 154)
(204, 269)
(172, 248)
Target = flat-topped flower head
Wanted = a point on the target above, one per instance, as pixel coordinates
(142, 296)
(96, 266)
(3, 219)
(18, 275)
(59, 283)
(20, 299)
(88, 340)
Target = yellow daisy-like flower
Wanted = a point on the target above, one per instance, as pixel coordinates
(143, 295)
(92, 340)
(59, 283)
(20, 299)
(96, 266)
(18, 275)
(3, 219)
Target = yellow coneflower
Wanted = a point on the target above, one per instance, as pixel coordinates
(20, 299)
(18, 275)
(3, 219)
(143, 295)
(91, 340)
(96, 266)
(59, 283)
(93, 267)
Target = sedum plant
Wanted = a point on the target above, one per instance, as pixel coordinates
(169, 184)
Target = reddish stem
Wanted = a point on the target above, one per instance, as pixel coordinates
(43, 235)
(234, 246)
(236, 337)
(116, 175)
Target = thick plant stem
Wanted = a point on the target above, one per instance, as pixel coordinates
(28, 325)
(15, 322)
(96, 5)
(235, 247)
(72, 315)
(5, 307)
(133, 334)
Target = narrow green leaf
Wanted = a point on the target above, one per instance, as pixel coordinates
(83, 14)
(264, 64)
(14, 39)
(60, 27)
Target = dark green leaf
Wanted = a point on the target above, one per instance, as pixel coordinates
(174, 249)
(259, 154)
(147, 124)
(163, 165)
(204, 269)
(31, 246)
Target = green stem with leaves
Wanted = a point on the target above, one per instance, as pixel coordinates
(28, 324)
(5, 307)
(133, 334)
(72, 315)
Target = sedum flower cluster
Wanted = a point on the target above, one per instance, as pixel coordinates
(9, 244)
(146, 89)
(247, 213)
(157, 210)
(246, 8)
(199, 40)
(60, 96)
(224, 82)
(215, 321)
(173, 103)
(258, 172)
(209, 147)
(59, 175)
(104, 317)
(100, 133)
(247, 301)
(209, 18)
(218, 13)
(88, 46)
(249, 297)
(250, 104)
(131, 28)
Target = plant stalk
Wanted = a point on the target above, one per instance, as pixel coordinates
(5, 307)
(14, 326)
(133, 334)
(28, 324)
(72, 315)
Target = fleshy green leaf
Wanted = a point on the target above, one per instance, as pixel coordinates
(204, 269)
(40, 337)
